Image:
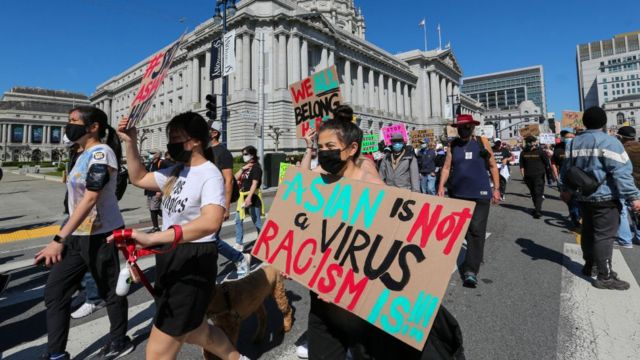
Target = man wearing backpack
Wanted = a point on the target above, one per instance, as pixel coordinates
(400, 167)
(223, 159)
(593, 155)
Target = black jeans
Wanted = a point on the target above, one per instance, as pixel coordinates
(600, 223)
(536, 188)
(503, 186)
(82, 253)
(476, 235)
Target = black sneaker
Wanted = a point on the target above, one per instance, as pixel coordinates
(589, 270)
(115, 349)
(64, 356)
(470, 280)
(537, 215)
(611, 283)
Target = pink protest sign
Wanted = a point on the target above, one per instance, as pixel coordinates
(388, 131)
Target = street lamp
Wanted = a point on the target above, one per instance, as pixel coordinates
(223, 9)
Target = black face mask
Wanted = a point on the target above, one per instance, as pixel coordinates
(464, 132)
(178, 153)
(330, 161)
(75, 131)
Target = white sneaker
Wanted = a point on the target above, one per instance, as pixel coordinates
(85, 310)
(242, 267)
(302, 351)
(238, 247)
(242, 357)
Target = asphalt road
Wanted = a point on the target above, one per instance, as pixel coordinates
(527, 295)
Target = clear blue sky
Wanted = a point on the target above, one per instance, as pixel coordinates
(77, 44)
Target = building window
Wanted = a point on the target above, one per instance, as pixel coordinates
(55, 137)
(620, 118)
(36, 134)
(17, 133)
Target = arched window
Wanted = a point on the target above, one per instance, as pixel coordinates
(620, 118)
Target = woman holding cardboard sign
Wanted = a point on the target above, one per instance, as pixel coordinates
(468, 159)
(194, 205)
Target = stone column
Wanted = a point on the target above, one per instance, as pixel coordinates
(425, 98)
(206, 88)
(346, 80)
(304, 61)
(381, 98)
(391, 103)
(443, 97)
(407, 100)
(323, 58)
(372, 90)
(108, 112)
(282, 61)
(255, 56)
(435, 95)
(331, 60)
(295, 53)
(399, 99)
(28, 134)
(45, 134)
(360, 87)
(195, 80)
(246, 62)
(239, 73)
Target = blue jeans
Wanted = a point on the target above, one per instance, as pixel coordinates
(574, 210)
(227, 250)
(628, 228)
(90, 289)
(254, 211)
(428, 184)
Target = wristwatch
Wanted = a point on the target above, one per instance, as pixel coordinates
(58, 239)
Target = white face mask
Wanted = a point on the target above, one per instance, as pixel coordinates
(247, 158)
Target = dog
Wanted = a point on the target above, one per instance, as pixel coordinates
(234, 301)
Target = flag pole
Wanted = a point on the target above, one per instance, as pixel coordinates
(425, 35)
(439, 38)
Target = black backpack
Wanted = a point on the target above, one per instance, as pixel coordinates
(578, 180)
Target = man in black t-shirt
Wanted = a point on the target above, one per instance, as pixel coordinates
(502, 156)
(534, 166)
(223, 159)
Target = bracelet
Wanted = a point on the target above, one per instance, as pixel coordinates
(177, 231)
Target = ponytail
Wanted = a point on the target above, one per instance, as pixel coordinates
(168, 186)
(113, 141)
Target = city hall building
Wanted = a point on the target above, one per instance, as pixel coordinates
(300, 37)
(32, 123)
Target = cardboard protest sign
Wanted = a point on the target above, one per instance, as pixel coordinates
(383, 253)
(314, 99)
(530, 130)
(388, 131)
(547, 138)
(283, 170)
(419, 135)
(516, 157)
(155, 73)
(572, 119)
(369, 143)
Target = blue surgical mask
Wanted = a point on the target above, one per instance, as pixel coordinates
(567, 141)
(397, 147)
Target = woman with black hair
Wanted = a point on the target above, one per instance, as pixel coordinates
(80, 244)
(249, 180)
(193, 204)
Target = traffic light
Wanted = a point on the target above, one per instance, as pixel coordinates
(212, 113)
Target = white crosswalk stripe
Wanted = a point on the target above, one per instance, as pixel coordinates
(594, 323)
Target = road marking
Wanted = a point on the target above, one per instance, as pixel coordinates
(594, 323)
(83, 336)
(29, 234)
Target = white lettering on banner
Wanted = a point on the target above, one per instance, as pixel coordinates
(608, 154)
(229, 46)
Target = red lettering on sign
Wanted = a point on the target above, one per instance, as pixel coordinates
(268, 234)
(356, 289)
(303, 92)
(296, 264)
(287, 245)
(451, 226)
(325, 257)
(328, 283)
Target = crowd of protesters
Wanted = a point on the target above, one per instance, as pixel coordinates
(192, 188)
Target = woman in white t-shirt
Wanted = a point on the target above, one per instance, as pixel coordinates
(193, 198)
(80, 244)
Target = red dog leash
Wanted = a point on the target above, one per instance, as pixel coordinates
(125, 243)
